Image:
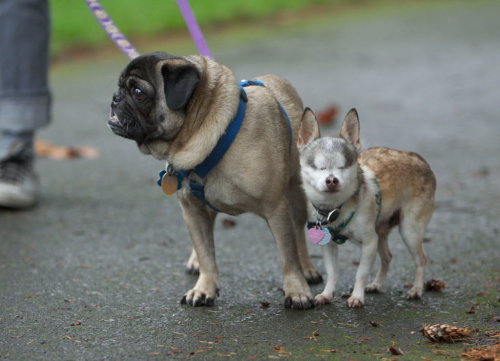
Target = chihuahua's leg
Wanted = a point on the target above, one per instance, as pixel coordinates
(368, 254)
(385, 260)
(412, 231)
(297, 292)
(199, 220)
(330, 256)
(297, 200)
(192, 265)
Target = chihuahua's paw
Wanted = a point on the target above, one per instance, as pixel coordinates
(196, 298)
(323, 299)
(415, 293)
(312, 276)
(373, 288)
(297, 301)
(355, 302)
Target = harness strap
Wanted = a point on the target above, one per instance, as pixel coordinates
(202, 170)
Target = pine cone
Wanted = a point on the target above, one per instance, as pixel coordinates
(444, 332)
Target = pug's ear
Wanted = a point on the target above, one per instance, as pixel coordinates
(179, 82)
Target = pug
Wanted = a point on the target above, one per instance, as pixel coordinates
(178, 109)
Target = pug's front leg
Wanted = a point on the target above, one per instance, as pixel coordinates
(297, 292)
(199, 220)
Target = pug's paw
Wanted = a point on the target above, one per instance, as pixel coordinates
(297, 301)
(197, 298)
(312, 276)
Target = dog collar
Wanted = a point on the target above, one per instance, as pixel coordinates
(329, 233)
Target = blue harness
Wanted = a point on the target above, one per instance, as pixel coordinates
(225, 141)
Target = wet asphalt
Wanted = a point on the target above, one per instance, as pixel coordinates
(96, 271)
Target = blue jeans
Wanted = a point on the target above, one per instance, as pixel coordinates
(24, 64)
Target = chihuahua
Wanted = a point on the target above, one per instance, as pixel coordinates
(361, 196)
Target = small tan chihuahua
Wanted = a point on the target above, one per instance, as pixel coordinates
(361, 196)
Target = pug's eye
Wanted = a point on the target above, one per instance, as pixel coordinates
(138, 95)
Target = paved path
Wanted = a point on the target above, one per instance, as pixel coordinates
(96, 272)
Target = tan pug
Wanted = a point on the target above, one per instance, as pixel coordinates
(361, 196)
(177, 109)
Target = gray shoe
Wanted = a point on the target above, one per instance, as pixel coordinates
(18, 182)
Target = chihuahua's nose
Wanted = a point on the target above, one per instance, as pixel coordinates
(331, 182)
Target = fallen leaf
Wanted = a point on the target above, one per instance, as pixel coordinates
(264, 304)
(328, 115)
(395, 351)
(45, 149)
(332, 350)
(77, 323)
(483, 353)
(434, 285)
(313, 337)
(408, 285)
(374, 323)
(472, 309)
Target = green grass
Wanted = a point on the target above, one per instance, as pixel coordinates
(73, 25)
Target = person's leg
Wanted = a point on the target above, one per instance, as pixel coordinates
(24, 95)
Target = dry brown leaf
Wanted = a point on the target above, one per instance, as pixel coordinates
(472, 309)
(45, 149)
(264, 304)
(434, 285)
(484, 353)
(328, 115)
(395, 351)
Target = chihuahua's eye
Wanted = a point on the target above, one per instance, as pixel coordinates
(138, 95)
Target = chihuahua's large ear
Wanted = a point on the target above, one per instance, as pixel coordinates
(179, 82)
(350, 128)
(309, 129)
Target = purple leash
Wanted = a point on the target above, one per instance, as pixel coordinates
(194, 28)
(111, 29)
(124, 45)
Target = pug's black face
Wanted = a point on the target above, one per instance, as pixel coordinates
(153, 91)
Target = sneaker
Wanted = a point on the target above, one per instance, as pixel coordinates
(18, 182)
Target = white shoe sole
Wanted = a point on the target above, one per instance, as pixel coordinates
(15, 196)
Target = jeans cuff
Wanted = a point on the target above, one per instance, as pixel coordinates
(24, 113)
